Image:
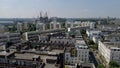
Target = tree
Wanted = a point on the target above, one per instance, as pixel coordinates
(8, 44)
(32, 27)
(83, 31)
(95, 46)
(18, 48)
(91, 42)
(63, 25)
(100, 66)
(113, 64)
(47, 26)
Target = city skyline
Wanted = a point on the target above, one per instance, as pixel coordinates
(59, 8)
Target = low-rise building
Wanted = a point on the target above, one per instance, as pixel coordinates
(19, 60)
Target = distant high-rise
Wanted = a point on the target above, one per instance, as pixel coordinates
(25, 26)
(19, 26)
(2, 28)
(40, 26)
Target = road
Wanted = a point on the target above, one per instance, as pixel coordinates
(93, 59)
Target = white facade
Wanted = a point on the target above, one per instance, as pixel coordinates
(69, 24)
(77, 24)
(72, 24)
(29, 36)
(80, 24)
(25, 25)
(88, 24)
(40, 26)
(19, 26)
(93, 32)
(94, 35)
(110, 51)
(55, 25)
(78, 54)
(96, 39)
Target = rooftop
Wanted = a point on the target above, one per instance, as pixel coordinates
(80, 42)
(26, 56)
(112, 45)
(4, 53)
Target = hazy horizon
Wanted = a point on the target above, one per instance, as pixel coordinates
(59, 8)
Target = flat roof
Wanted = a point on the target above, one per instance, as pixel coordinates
(4, 53)
(50, 66)
(80, 42)
(57, 51)
(112, 45)
(28, 56)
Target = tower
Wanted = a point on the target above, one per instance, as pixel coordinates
(41, 18)
(45, 18)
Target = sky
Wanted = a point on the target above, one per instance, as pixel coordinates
(59, 8)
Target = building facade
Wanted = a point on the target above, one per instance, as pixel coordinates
(19, 26)
(40, 26)
(77, 54)
(110, 51)
(55, 25)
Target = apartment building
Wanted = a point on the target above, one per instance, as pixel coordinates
(29, 36)
(77, 54)
(13, 37)
(55, 25)
(40, 26)
(110, 50)
(69, 24)
(2, 28)
(26, 26)
(10, 37)
(19, 26)
(89, 24)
